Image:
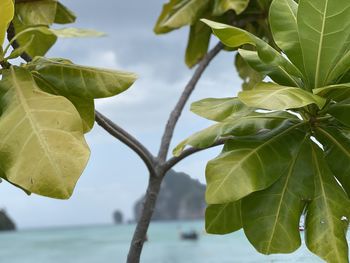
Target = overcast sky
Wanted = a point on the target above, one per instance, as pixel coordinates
(115, 178)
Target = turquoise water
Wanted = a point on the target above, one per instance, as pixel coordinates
(107, 244)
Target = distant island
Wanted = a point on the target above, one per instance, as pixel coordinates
(6, 224)
(180, 198)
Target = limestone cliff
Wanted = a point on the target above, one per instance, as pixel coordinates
(180, 198)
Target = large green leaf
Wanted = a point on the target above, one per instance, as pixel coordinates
(222, 6)
(198, 43)
(325, 222)
(34, 13)
(273, 70)
(341, 111)
(337, 151)
(236, 37)
(224, 218)
(284, 27)
(178, 13)
(274, 97)
(271, 217)
(252, 164)
(74, 80)
(7, 13)
(237, 126)
(338, 92)
(64, 15)
(324, 30)
(42, 148)
(81, 85)
(220, 109)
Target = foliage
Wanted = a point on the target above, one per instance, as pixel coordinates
(287, 147)
(250, 15)
(47, 104)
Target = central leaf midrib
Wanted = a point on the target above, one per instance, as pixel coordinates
(318, 63)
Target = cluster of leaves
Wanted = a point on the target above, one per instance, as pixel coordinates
(287, 152)
(46, 105)
(249, 15)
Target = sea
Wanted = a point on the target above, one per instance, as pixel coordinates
(109, 244)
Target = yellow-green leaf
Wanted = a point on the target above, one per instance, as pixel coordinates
(274, 97)
(42, 147)
(7, 13)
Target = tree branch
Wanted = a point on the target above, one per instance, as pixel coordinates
(140, 234)
(174, 160)
(117, 132)
(176, 113)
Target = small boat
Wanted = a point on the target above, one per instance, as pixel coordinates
(191, 235)
(301, 228)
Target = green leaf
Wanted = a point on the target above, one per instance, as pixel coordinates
(41, 38)
(284, 27)
(271, 217)
(324, 223)
(236, 37)
(198, 43)
(337, 151)
(76, 32)
(222, 6)
(251, 164)
(274, 71)
(64, 15)
(274, 97)
(75, 80)
(338, 92)
(179, 13)
(220, 109)
(324, 32)
(45, 127)
(20, 50)
(237, 126)
(79, 84)
(223, 219)
(341, 111)
(85, 106)
(7, 13)
(35, 13)
(250, 76)
(340, 69)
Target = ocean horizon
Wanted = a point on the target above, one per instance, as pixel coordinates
(109, 243)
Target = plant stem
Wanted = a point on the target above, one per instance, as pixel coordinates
(176, 113)
(120, 134)
(140, 234)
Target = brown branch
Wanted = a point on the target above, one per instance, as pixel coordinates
(176, 113)
(119, 133)
(175, 160)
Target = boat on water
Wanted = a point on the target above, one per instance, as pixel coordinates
(191, 235)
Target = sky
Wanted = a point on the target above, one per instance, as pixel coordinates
(115, 177)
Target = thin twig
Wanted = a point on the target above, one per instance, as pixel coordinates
(176, 113)
(174, 160)
(122, 135)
